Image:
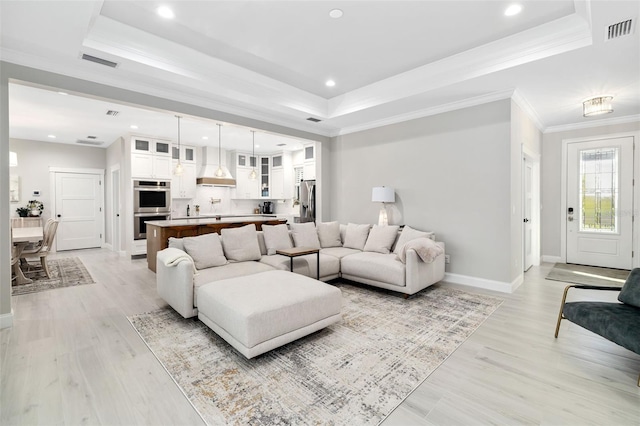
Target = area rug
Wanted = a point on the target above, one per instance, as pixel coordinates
(65, 272)
(354, 372)
(589, 275)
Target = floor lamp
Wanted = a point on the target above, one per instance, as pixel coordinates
(382, 194)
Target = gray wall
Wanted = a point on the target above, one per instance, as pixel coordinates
(552, 177)
(451, 174)
(6, 318)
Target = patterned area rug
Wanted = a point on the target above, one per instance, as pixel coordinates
(65, 272)
(353, 372)
(590, 275)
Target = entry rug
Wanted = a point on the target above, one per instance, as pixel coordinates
(589, 275)
(65, 272)
(354, 372)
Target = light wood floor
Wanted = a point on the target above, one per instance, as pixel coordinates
(73, 358)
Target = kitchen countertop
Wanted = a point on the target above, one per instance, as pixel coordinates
(209, 216)
(200, 220)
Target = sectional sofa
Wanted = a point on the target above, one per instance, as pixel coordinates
(403, 260)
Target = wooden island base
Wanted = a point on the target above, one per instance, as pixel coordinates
(158, 232)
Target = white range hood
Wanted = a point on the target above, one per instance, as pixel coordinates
(210, 164)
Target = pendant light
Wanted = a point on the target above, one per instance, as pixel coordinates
(219, 173)
(253, 175)
(178, 170)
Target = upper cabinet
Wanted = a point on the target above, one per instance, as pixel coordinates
(150, 146)
(274, 178)
(309, 166)
(185, 153)
(150, 159)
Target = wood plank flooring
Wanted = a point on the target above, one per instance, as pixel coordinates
(73, 358)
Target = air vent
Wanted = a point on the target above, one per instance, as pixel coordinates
(621, 29)
(281, 144)
(315, 120)
(86, 142)
(92, 137)
(113, 113)
(99, 60)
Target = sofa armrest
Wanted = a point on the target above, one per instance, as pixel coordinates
(175, 284)
(419, 274)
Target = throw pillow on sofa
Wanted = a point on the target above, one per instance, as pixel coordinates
(381, 238)
(305, 235)
(176, 243)
(356, 236)
(205, 250)
(276, 237)
(329, 234)
(241, 244)
(408, 234)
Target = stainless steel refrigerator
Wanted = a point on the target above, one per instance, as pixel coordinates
(308, 201)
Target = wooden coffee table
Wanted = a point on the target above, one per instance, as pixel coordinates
(300, 251)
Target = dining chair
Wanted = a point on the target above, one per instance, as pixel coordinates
(42, 250)
(34, 247)
(14, 256)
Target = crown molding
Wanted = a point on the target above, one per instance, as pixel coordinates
(593, 123)
(522, 102)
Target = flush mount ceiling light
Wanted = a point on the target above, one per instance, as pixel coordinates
(165, 12)
(330, 83)
(512, 10)
(336, 13)
(178, 170)
(253, 175)
(596, 106)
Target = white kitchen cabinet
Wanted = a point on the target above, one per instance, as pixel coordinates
(246, 160)
(309, 170)
(184, 186)
(246, 188)
(282, 179)
(150, 166)
(150, 146)
(186, 154)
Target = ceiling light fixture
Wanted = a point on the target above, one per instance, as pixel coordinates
(336, 13)
(62, 93)
(219, 173)
(165, 12)
(596, 106)
(512, 10)
(253, 175)
(205, 138)
(133, 126)
(51, 136)
(178, 170)
(330, 83)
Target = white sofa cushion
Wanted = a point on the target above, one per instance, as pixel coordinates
(374, 266)
(230, 270)
(205, 250)
(241, 244)
(305, 265)
(356, 236)
(381, 238)
(276, 237)
(408, 234)
(305, 235)
(329, 234)
(339, 252)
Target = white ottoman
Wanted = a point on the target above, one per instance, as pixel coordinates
(260, 312)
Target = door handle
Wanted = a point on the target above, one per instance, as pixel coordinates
(526, 220)
(59, 215)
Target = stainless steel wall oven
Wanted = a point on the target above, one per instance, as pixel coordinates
(140, 223)
(151, 196)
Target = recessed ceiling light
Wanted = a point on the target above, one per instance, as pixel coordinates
(165, 12)
(257, 146)
(514, 9)
(133, 126)
(206, 138)
(330, 83)
(51, 136)
(336, 13)
(62, 93)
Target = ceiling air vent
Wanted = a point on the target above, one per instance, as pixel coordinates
(315, 120)
(621, 29)
(113, 113)
(86, 142)
(99, 60)
(92, 137)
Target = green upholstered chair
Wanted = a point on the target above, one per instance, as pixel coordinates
(617, 322)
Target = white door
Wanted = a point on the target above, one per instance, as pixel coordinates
(600, 203)
(528, 214)
(115, 199)
(79, 210)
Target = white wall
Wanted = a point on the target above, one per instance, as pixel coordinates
(6, 316)
(451, 174)
(552, 176)
(34, 160)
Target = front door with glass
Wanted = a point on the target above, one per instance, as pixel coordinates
(600, 203)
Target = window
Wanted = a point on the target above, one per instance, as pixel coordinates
(599, 190)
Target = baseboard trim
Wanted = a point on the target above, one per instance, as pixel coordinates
(6, 320)
(501, 286)
(552, 259)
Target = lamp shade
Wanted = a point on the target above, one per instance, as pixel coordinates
(596, 106)
(13, 159)
(382, 194)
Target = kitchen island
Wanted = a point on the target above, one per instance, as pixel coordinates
(159, 231)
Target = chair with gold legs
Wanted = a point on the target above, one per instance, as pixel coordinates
(617, 322)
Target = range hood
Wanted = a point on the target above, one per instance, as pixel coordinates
(210, 162)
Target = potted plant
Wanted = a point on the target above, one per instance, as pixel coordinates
(22, 211)
(35, 208)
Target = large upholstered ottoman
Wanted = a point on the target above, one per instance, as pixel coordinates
(260, 312)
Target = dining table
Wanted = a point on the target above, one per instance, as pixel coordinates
(21, 237)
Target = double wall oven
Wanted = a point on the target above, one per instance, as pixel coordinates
(151, 201)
